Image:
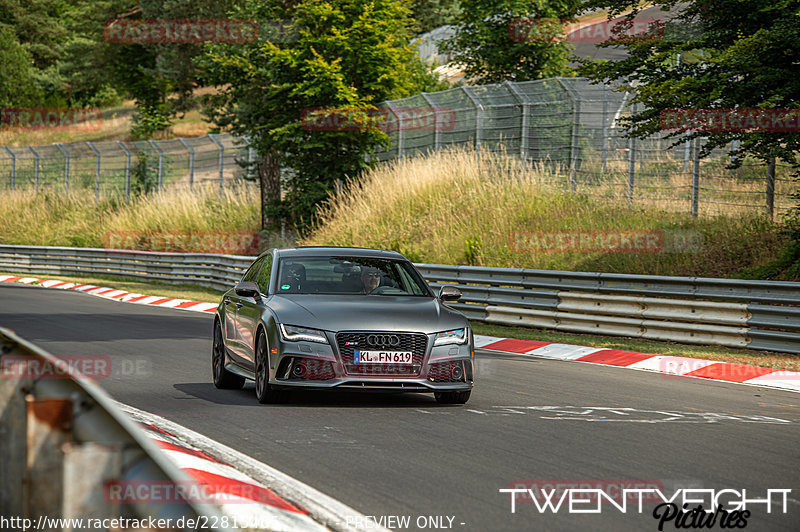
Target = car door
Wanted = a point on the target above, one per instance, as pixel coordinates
(233, 305)
(249, 314)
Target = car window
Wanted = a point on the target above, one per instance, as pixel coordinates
(349, 275)
(264, 274)
(253, 272)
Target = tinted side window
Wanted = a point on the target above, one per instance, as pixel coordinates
(254, 270)
(264, 274)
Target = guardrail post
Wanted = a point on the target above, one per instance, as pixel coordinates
(13, 166)
(155, 145)
(631, 168)
(695, 176)
(66, 166)
(191, 161)
(49, 427)
(96, 172)
(35, 167)
(13, 430)
(127, 170)
(221, 158)
(771, 188)
(87, 468)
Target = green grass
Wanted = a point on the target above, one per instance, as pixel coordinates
(724, 354)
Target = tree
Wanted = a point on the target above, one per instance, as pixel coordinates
(514, 40)
(17, 86)
(741, 55)
(339, 56)
(430, 14)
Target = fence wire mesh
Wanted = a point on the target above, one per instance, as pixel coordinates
(570, 124)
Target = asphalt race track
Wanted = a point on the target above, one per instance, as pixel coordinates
(394, 455)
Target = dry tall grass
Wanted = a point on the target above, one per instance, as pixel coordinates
(54, 218)
(458, 207)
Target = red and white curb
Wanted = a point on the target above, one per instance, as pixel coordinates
(245, 489)
(664, 364)
(114, 294)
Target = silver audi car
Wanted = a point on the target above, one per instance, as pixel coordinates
(341, 318)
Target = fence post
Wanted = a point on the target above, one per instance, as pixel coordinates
(523, 129)
(695, 176)
(399, 129)
(221, 158)
(435, 122)
(66, 166)
(604, 154)
(155, 146)
(686, 154)
(96, 172)
(35, 167)
(478, 117)
(127, 170)
(191, 161)
(631, 167)
(771, 188)
(13, 166)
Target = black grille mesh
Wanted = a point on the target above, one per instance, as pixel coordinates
(348, 342)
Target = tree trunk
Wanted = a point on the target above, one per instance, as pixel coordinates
(269, 176)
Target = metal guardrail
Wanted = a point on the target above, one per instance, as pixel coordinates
(762, 315)
(63, 442)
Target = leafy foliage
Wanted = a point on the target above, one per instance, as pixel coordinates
(341, 55)
(735, 54)
(488, 51)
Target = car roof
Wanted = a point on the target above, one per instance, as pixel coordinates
(316, 251)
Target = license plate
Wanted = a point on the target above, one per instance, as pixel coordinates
(383, 357)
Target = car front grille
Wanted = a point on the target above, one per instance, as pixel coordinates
(348, 342)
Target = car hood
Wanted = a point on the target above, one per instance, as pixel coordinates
(366, 313)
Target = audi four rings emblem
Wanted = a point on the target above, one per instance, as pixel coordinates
(383, 339)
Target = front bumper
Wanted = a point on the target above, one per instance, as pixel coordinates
(318, 366)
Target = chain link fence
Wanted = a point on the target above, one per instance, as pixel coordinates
(117, 166)
(573, 126)
(569, 124)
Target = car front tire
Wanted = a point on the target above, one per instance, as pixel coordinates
(223, 379)
(264, 392)
(452, 398)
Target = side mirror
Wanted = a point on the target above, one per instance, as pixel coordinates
(248, 289)
(449, 293)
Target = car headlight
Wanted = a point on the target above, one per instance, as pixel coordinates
(298, 334)
(456, 336)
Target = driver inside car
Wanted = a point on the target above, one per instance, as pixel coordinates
(370, 278)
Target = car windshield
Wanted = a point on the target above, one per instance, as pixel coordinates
(349, 275)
